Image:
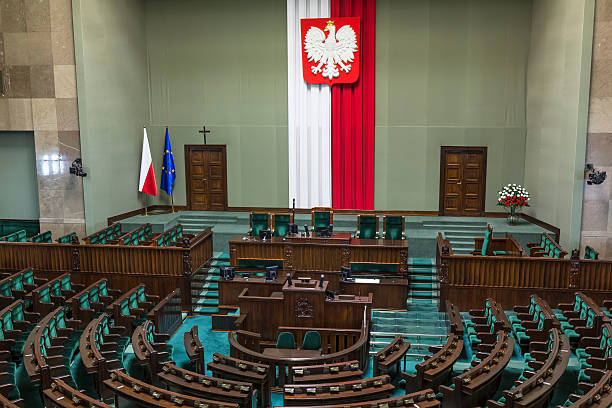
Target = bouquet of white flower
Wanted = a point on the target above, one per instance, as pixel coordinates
(513, 196)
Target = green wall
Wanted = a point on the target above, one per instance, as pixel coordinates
(18, 176)
(111, 59)
(448, 73)
(559, 76)
(222, 64)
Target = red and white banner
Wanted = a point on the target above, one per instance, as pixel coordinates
(147, 183)
(330, 50)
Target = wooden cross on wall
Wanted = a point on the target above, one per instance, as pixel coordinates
(204, 132)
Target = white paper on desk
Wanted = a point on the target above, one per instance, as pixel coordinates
(366, 280)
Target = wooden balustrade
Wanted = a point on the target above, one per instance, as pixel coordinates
(464, 279)
(160, 268)
(281, 372)
(167, 314)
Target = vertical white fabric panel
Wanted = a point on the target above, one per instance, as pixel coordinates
(309, 117)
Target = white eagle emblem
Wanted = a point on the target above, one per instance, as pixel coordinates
(338, 48)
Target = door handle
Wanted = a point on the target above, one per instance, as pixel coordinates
(459, 183)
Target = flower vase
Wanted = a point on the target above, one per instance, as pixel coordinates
(513, 217)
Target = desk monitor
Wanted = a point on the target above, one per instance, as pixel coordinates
(271, 273)
(265, 234)
(346, 274)
(227, 272)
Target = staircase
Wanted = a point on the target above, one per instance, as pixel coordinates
(205, 286)
(460, 232)
(424, 287)
(422, 326)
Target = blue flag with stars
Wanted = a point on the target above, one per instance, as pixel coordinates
(168, 173)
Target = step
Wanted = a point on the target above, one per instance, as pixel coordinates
(461, 235)
(457, 228)
(205, 309)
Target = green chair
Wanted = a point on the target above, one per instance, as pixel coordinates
(280, 224)
(484, 251)
(285, 341)
(590, 253)
(179, 231)
(394, 227)
(258, 222)
(322, 218)
(44, 237)
(312, 340)
(367, 226)
(67, 239)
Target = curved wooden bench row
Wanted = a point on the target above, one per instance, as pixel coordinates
(584, 315)
(52, 294)
(596, 396)
(338, 393)
(7, 403)
(241, 340)
(476, 385)
(167, 314)
(99, 348)
(139, 236)
(203, 386)
(61, 395)
(194, 349)
(324, 373)
(546, 371)
(421, 399)
(110, 233)
(130, 309)
(122, 385)
(436, 369)
(547, 247)
(17, 285)
(391, 355)
(91, 300)
(240, 370)
(150, 348)
(454, 319)
(48, 348)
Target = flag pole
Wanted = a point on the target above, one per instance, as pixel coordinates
(146, 213)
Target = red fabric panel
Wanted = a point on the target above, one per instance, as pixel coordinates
(352, 118)
(150, 186)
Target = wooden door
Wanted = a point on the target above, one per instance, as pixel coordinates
(206, 177)
(463, 172)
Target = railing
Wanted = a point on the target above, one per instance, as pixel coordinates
(167, 314)
(510, 279)
(281, 368)
(161, 268)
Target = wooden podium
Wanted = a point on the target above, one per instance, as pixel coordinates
(301, 304)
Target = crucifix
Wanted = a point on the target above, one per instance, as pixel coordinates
(204, 132)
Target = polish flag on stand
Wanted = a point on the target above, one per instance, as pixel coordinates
(147, 182)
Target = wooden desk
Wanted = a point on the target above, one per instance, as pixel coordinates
(319, 254)
(229, 290)
(290, 353)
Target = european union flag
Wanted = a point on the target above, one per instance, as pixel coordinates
(168, 174)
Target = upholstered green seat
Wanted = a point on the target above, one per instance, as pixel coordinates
(124, 308)
(66, 285)
(312, 340)
(17, 282)
(133, 301)
(45, 295)
(285, 341)
(84, 302)
(259, 222)
(590, 253)
(281, 224)
(485, 243)
(42, 237)
(92, 240)
(179, 231)
(103, 288)
(116, 230)
(394, 227)
(148, 230)
(28, 277)
(321, 220)
(5, 289)
(367, 227)
(56, 288)
(259, 263)
(173, 235)
(160, 241)
(500, 253)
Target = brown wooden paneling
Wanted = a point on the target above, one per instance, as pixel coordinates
(462, 180)
(162, 269)
(206, 171)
